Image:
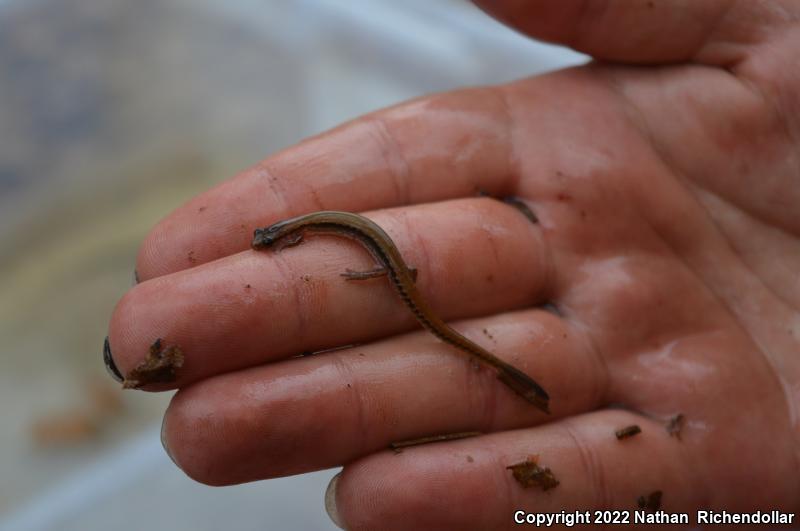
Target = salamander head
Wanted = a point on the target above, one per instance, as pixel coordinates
(266, 237)
(279, 235)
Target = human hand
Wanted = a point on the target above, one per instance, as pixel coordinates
(667, 244)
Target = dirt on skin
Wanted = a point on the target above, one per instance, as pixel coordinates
(530, 474)
(158, 367)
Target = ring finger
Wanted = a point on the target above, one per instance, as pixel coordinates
(329, 409)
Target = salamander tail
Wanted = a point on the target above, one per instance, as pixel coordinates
(525, 386)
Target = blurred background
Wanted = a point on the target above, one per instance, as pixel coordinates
(114, 112)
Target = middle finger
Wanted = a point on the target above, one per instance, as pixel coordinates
(474, 256)
(329, 409)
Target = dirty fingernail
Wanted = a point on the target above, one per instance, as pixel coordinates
(135, 278)
(111, 367)
(330, 501)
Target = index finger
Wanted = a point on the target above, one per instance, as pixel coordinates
(430, 149)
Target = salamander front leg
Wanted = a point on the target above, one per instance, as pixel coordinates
(289, 241)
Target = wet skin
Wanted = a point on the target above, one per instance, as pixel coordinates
(390, 262)
(665, 182)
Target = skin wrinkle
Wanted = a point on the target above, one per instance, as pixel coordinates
(513, 164)
(779, 117)
(720, 300)
(583, 37)
(687, 183)
(792, 133)
(778, 18)
(592, 469)
(542, 291)
(393, 156)
(684, 262)
(548, 271)
(591, 11)
(738, 254)
(767, 359)
(312, 191)
(302, 319)
(348, 375)
(512, 159)
(588, 10)
(511, 498)
(277, 189)
(661, 151)
(602, 383)
(709, 36)
(549, 278)
(671, 166)
(704, 490)
(641, 124)
(483, 396)
(423, 255)
(489, 236)
(638, 120)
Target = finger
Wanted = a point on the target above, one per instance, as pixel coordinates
(325, 410)
(593, 468)
(262, 306)
(716, 32)
(440, 147)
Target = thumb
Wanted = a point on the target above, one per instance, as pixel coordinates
(714, 32)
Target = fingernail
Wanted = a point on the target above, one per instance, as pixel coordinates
(135, 278)
(330, 501)
(552, 308)
(111, 367)
(164, 441)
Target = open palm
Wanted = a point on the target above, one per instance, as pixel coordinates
(662, 278)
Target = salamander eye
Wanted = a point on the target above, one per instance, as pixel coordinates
(263, 238)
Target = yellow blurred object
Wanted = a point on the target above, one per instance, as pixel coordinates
(80, 423)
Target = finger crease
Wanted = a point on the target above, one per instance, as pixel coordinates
(298, 299)
(486, 395)
(396, 162)
(596, 358)
(423, 258)
(512, 161)
(358, 410)
(278, 192)
(592, 466)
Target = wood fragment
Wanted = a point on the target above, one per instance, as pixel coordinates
(628, 431)
(675, 425)
(529, 474)
(651, 502)
(158, 367)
